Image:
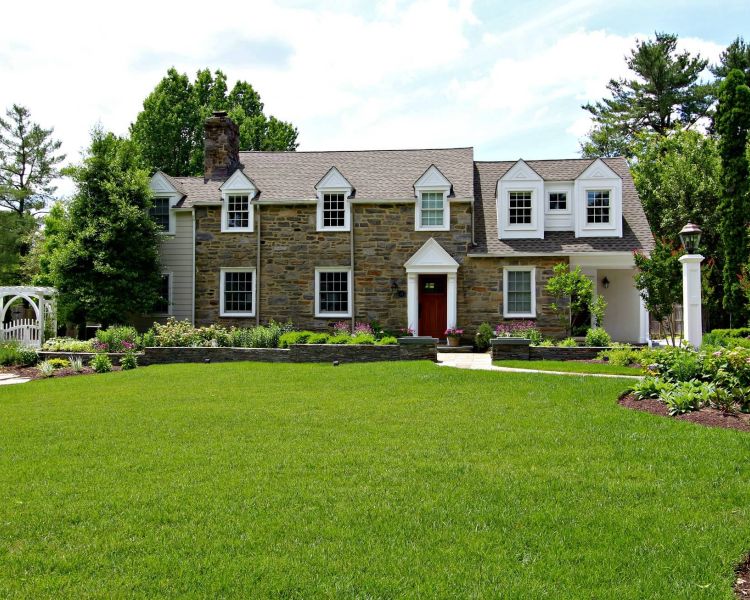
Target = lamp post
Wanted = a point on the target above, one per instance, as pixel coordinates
(692, 320)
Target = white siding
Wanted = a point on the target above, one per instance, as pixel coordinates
(176, 254)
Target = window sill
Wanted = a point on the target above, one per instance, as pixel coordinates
(333, 315)
(321, 229)
(236, 314)
(443, 228)
(519, 315)
(237, 230)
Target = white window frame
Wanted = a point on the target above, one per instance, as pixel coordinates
(558, 211)
(446, 211)
(531, 225)
(326, 315)
(603, 224)
(173, 199)
(225, 228)
(347, 209)
(514, 315)
(170, 289)
(222, 281)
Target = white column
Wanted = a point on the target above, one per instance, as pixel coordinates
(644, 321)
(412, 302)
(692, 324)
(452, 299)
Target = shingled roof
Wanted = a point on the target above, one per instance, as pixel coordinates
(636, 233)
(374, 174)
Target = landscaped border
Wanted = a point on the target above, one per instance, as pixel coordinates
(521, 349)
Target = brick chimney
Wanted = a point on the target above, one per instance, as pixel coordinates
(221, 146)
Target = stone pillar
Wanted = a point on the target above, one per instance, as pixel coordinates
(412, 301)
(452, 292)
(692, 320)
(221, 144)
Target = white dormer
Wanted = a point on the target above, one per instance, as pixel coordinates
(237, 208)
(334, 204)
(432, 212)
(598, 202)
(166, 196)
(520, 203)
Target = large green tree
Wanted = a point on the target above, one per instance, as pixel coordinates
(169, 129)
(104, 258)
(733, 125)
(665, 92)
(736, 56)
(29, 162)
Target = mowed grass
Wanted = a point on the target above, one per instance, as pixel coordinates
(570, 366)
(370, 481)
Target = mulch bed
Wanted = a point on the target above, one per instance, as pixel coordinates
(742, 583)
(710, 417)
(33, 372)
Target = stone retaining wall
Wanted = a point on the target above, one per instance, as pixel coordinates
(167, 355)
(578, 353)
(510, 349)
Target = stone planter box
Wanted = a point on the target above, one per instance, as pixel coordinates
(510, 348)
(578, 353)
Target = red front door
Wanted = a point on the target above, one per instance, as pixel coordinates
(433, 305)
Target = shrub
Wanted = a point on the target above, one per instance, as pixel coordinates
(20, 356)
(129, 361)
(101, 363)
(567, 343)
(341, 327)
(294, 337)
(58, 363)
(118, 338)
(388, 340)
(650, 387)
(363, 328)
(622, 356)
(687, 396)
(363, 338)
(27, 356)
(676, 364)
(483, 336)
(66, 344)
(341, 338)
(318, 338)
(46, 368)
(547, 343)
(76, 363)
(596, 336)
(728, 338)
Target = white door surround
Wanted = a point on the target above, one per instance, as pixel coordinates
(431, 258)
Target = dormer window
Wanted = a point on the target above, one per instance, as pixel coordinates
(334, 206)
(432, 211)
(597, 206)
(237, 195)
(519, 208)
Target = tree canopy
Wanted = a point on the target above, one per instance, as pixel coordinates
(169, 129)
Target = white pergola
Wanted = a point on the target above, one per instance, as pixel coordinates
(28, 331)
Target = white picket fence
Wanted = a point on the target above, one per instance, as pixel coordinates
(24, 331)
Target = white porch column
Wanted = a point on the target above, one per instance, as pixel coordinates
(692, 324)
(452, 291)
(644, 330)
(412, 302)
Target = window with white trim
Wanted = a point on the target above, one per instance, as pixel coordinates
(519, 292)
(333, 292)
(519, 208)
(164, 303)
(160, 213)
(237, 292)
(237, 211)
(597, 207)
(432, 209)
(334, 210)
(558, 201)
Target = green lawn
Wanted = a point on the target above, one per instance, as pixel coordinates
(569, 366)
(370, 481)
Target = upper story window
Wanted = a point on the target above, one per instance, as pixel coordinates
(558, 201)
(597, 206)
(237, 208)
(334, 210)
(432, 210)
(237, 212)
(519, 208)
(160, 214)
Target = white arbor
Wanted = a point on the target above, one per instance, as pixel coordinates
(28, 331)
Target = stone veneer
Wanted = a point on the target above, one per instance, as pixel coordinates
(384, 239)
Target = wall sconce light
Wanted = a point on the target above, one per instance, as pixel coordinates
(397, 290)
(605, 282)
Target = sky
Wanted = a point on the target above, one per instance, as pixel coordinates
(507, 78)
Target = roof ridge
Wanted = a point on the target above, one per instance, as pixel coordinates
(363, 150)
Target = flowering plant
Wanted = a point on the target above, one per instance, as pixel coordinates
(406, 331)
(341, 327)
(454, 332)
(365, 328)
(513, 329)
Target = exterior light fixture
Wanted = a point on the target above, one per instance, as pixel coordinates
(690, 236)
(605, 282)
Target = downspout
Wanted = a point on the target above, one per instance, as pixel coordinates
(192, 316)
(351, 255)
(257, 266)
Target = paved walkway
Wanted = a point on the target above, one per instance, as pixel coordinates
(483, 362)
(10, 379)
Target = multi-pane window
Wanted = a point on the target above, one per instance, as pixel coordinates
(519, 208)
(238, 211)
(333, 292)
(237, 293)
(162, 304)
(558, 201)
(518, 292)
(334, 210)
(597, 206)
(159, 213)
(432, 209)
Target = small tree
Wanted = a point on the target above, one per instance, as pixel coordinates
(659, 281)
(105, 262)
(573, 293)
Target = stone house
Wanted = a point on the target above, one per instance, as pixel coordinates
(425, 239)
